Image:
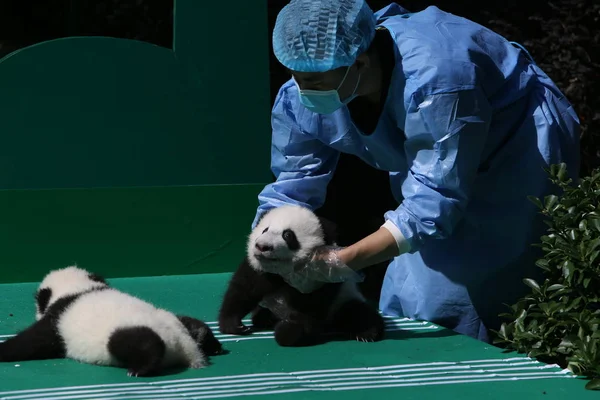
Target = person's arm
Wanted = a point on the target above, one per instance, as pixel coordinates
(373, 249)
(446, 134)
(302, 165)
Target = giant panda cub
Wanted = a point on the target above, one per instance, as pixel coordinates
(79, 316)
(284, 239)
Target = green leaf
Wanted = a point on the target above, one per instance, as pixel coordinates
(594, 384)
(586, 282)
(535, 353)
(568, 267)
(585, 185)
(556, 286)
(542, 263)
(502, 332)
(550, 201)
(566, 342)
(576, 302)
(529, 335)
(595, 222)
(532, 284)
(548, 239)
(536, 201)
(562, 172)
(573, 234)
(592, 246)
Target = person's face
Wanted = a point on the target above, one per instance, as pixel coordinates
(330, 80)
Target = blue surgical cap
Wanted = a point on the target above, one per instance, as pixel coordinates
(321, 35)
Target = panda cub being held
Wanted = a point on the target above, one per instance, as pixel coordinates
(284, 239)
(79, 316)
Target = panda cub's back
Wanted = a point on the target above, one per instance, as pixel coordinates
(87, 324)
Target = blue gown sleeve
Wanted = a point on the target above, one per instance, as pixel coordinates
(303, 165)
(446, 134)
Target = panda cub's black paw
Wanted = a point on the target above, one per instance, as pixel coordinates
(234, 328)
(244, 330)
(140, 373)
(374, 334)
(291, 334)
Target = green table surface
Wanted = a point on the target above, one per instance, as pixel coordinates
(416, 361)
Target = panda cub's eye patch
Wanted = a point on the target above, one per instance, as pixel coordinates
(290, 239)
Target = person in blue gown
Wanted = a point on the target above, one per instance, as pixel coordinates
(463, 120)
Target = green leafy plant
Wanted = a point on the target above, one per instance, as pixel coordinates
(557, 322)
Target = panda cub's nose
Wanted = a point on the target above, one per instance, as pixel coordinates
(263, 247)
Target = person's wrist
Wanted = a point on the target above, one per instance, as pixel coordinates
(347, 256)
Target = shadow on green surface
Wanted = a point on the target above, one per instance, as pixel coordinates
(400, 334)
(410, 334)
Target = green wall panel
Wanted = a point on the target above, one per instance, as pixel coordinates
(125, 232)
(86, 112)
(133, 159)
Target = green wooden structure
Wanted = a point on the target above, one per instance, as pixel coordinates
(130, 158)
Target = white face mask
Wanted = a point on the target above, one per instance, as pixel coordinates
(325, 101)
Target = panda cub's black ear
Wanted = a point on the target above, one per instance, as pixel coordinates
(42, 298)
(97, 278)
(329, 230)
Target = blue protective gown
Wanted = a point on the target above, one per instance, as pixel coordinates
(468, 126)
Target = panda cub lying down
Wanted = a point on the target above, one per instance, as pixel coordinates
(79, 316)
(283, 239)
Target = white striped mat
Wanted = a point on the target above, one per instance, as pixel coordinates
(391, 324)
(333, 380)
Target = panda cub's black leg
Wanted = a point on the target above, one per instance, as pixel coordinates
(263, 319)
(360, 320)
(202, 334)
(299, 330)
(139, 349)
(40, 341)
(291, 334)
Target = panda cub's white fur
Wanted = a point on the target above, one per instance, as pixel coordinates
(87, 325)
(268, 251)
(79, 316)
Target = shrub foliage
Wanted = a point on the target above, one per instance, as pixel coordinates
(558, 320)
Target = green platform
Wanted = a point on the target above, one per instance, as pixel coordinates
(417, 361)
